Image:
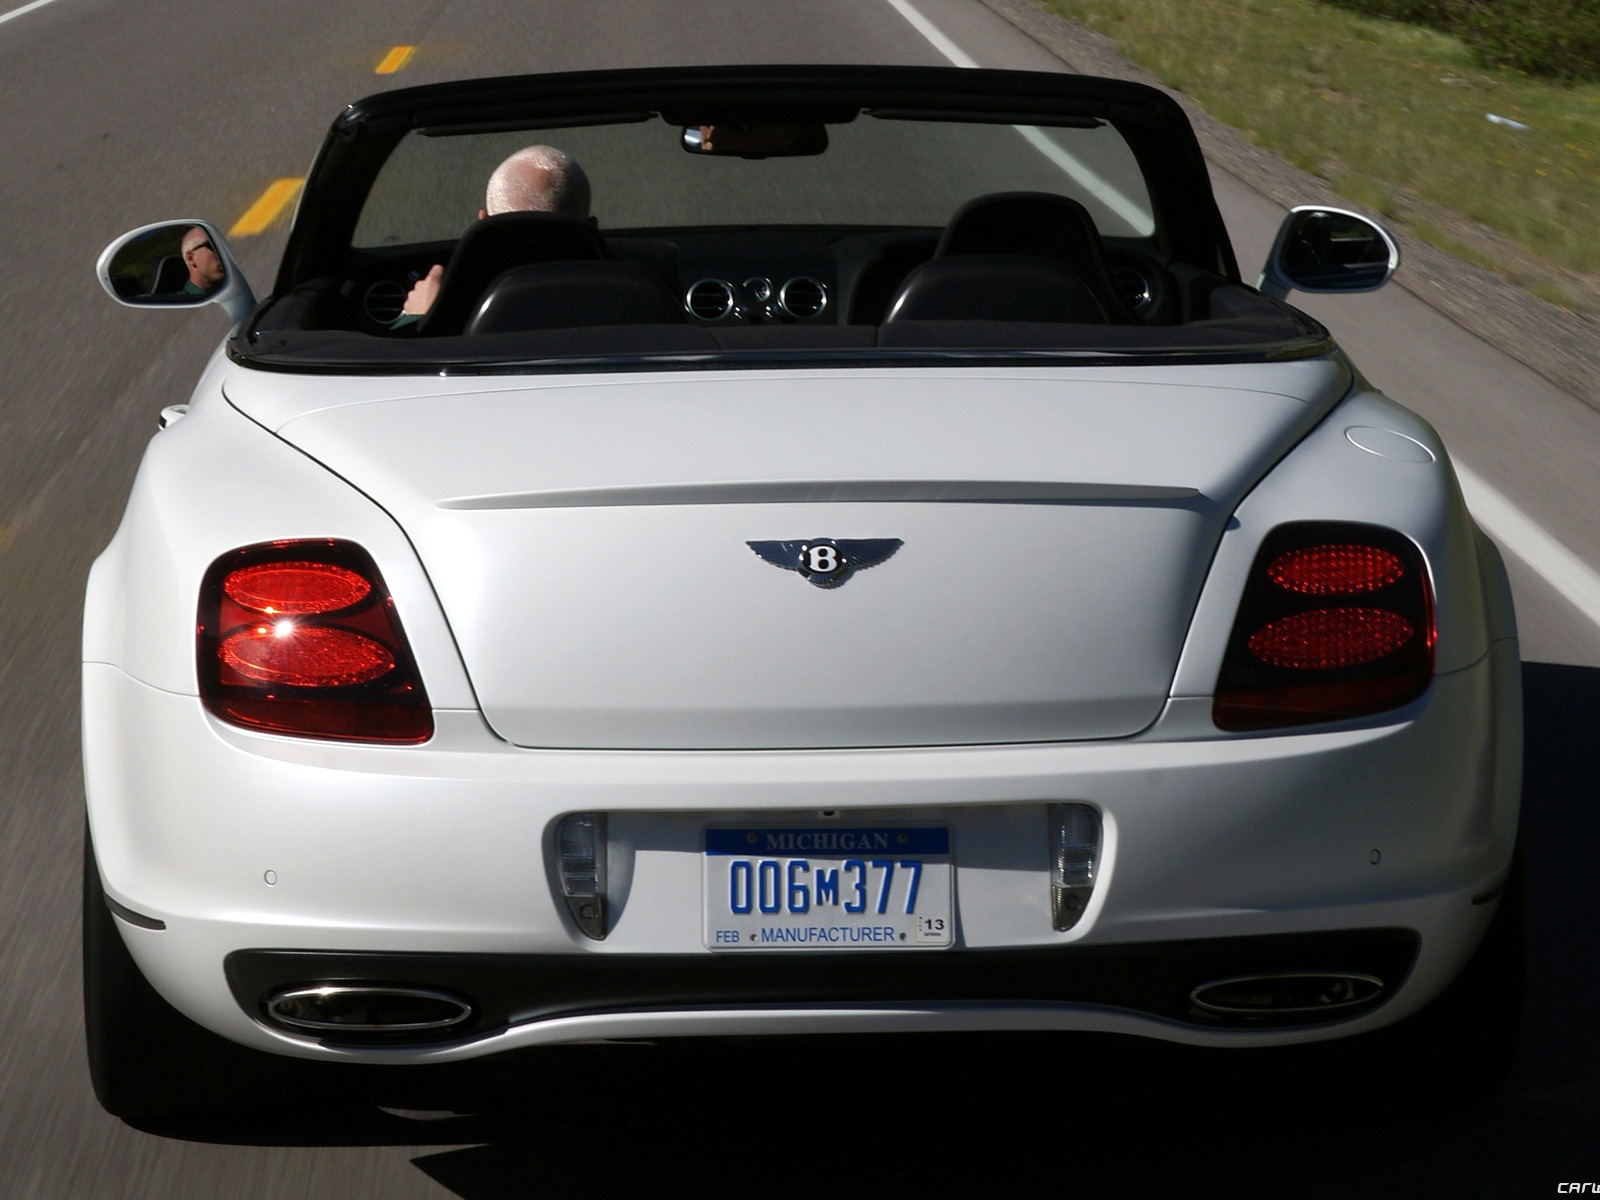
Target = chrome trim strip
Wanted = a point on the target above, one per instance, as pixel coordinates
(843, 491)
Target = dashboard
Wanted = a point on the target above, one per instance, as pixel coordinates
(749, 276)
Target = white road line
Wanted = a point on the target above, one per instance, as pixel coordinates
(1518, 534)
(928, 30)
(1096, 185)
(26, 8)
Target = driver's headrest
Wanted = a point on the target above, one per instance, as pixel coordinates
(495, 245)
(170, 275)
(568, 295)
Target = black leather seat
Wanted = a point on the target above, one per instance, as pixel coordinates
(571, 295)
(495, 245)
(1000, 233)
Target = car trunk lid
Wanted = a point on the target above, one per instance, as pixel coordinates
(590, 540)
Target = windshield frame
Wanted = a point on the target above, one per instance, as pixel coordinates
(1188, 227)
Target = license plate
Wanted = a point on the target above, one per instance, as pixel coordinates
(827, 888)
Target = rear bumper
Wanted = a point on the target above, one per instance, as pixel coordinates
(1153, 980)
(272, 861)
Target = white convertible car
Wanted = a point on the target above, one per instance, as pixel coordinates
(885, 572)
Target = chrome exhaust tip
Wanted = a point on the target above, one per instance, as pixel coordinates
(1300, 994)
(334, 1009)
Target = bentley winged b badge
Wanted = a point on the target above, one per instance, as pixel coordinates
(827, 562)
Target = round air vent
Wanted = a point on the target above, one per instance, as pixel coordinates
(710, 299)
(803, 297)
(383, 301)
(1134, 288)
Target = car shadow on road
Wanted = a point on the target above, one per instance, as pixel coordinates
(1097, 1116)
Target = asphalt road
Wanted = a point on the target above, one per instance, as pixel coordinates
(122, 113)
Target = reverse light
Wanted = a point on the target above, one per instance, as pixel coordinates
(581, 865)
(301, 637)
(1336, 621)
(1074, 860)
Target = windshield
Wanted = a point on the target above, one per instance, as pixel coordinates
(873, 172)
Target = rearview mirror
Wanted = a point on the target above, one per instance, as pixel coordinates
(174, 264)
(1328, 250)
(745, 140)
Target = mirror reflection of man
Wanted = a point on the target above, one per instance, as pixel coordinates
(205, 264)
(534, 179)
(748, 139)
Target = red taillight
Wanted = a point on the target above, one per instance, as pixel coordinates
(1336, 621)
(299, 655)
(1329, 638)
(292, 588)
(1335, 570)
(302, 638)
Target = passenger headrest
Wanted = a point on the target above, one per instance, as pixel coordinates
(571, 295)
(497, 244)
(1040, 224)
(996, 287)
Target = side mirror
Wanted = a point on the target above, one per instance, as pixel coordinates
(1328, 250)
(175, 264)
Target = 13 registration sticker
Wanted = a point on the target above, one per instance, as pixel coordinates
(827, 888)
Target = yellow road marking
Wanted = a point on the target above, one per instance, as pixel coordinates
(266, 211)
(395, 59)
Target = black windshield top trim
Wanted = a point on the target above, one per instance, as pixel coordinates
(1308, 347)
(499, 126)
(929, 89)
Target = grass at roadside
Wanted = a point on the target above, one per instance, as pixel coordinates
(1381, 110)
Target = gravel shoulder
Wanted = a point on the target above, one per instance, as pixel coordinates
(1562, 346)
